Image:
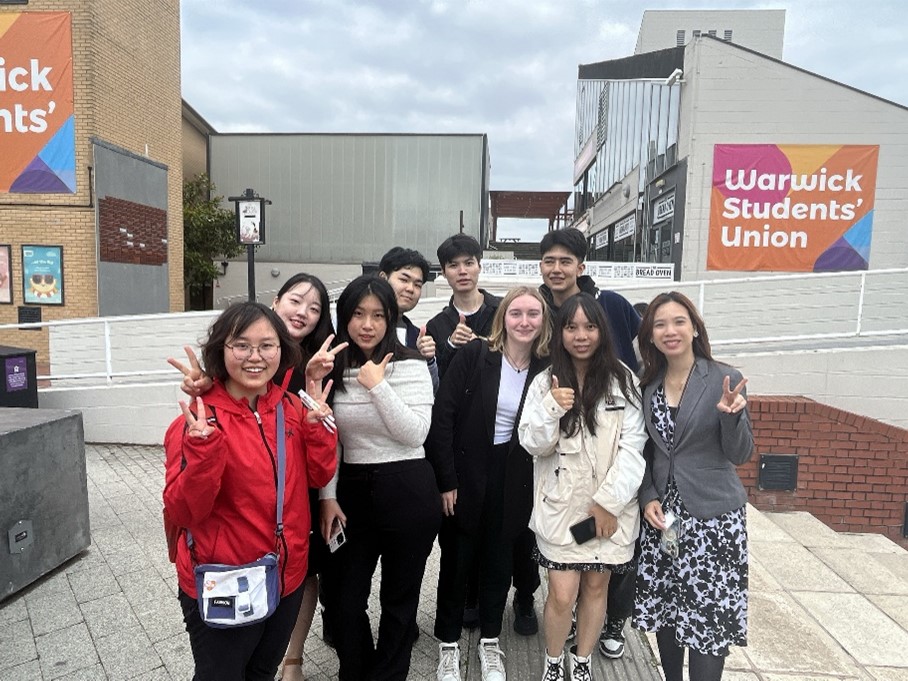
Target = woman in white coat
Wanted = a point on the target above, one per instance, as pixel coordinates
(583, 425)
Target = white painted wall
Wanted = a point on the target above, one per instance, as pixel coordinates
(733, 96)
(761, 30)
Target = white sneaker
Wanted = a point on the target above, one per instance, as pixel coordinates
(491, 660)
(579, 666)
(554, 668)
(448, 662)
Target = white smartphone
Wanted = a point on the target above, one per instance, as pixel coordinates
(338, 538)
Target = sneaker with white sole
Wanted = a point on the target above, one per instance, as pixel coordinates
(448, 662)
(554, 668)
(578, 667)
(491, 660)
(611, 640)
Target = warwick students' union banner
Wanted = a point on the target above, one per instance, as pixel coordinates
(791, 208)
(37, 131)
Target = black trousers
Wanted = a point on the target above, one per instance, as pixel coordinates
(393, 513)
(484, 548)
(621, 589)
(250, 653)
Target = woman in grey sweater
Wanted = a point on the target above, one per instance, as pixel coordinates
(384, 493)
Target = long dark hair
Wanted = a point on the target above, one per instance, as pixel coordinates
(654, 361)
(603, 368)
(311, 343)
(231, 323)
(352, 356)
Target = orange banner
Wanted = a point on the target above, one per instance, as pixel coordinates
(37, 127)
(791, 208)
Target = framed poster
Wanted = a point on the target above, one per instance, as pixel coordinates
(42, 275)
(250, 220)
(6, 275)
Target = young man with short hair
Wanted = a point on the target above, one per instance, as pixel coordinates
(470, 311)
(563, 253)
(407, 270)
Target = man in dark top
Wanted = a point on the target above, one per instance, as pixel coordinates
(470, 311)
(407, 270)
(563, 253)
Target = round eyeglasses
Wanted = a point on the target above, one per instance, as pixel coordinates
(243, 350)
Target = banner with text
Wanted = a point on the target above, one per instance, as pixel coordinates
(791, 208)
(37, 129)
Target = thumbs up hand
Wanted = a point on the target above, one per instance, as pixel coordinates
(563, 396)
(425, 344)
(462, 333)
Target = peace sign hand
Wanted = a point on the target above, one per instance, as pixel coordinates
(322, 362)
(732, 400)
(563, 396)
(197, 423)
(371, 374)
(195, 381)
(323, 412)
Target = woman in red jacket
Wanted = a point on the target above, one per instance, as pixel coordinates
(221, 485)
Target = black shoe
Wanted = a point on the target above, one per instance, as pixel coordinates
(611, 640)
(471, 617)
(525, 621)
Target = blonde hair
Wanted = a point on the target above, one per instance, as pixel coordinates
(499, 335)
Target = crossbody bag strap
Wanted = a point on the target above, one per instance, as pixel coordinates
(281, 469)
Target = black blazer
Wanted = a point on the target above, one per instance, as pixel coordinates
(463, 433)
(708, 445)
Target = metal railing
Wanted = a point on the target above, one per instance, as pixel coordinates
(741, 311)
(334, 289)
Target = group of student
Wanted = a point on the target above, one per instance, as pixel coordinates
(514, 430)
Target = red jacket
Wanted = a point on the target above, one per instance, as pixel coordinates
(226, 492)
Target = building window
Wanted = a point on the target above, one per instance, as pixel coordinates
(680, 38)
(727, 36)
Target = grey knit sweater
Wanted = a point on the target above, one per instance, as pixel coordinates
(385, 424)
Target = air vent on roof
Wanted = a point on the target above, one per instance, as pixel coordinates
(712, 32)
(727, 35)
(696, 33)
(680, 38)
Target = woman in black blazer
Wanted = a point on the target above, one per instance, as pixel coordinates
(692, 576)
(485, 476)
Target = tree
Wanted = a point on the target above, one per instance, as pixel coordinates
(209, 234)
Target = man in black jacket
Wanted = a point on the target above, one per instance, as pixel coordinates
(470, 311)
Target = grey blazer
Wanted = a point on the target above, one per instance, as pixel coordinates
(708, 444)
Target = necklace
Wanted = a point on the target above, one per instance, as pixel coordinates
(513, 364)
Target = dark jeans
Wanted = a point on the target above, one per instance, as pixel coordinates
(393, 513)
(250, 653)
(483, 548)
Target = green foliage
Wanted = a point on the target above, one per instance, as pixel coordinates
(209, 232)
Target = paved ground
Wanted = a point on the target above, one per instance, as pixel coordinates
(111, 612)
(823, 605)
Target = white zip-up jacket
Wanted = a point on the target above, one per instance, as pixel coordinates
(572, 473)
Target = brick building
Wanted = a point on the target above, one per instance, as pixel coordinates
(90, 160)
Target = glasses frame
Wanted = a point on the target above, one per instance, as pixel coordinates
(252, 350)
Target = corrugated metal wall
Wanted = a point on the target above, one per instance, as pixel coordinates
(349, 198)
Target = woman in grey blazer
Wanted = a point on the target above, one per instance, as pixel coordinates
(692, 577)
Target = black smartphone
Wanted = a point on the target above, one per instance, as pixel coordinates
(584, 530)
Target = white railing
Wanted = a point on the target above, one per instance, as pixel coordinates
(334, 289)
(793, 309)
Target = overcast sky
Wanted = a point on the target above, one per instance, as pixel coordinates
(507, 68)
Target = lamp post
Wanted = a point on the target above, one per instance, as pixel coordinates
(250, 228)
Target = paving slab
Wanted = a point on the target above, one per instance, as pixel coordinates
(887, 673)
(894, 606)
(783, 637)
(806, 529)
(108, 615)
(868, 634)
(811, 677)
(896, 563)
(55, 612)
(796, 568)
(759, 578)
(128, 654)
(864, 574)
(17, 644)
(23, 672)
(872, 543)
(65, 652)
(762, 528)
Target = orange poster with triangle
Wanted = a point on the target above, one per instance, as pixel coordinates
(37, 126)
(792, 207)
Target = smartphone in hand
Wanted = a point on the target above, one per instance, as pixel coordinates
(584, 530)
(337, 538)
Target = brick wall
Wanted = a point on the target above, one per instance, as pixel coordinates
(852, 470)
(131, 233)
